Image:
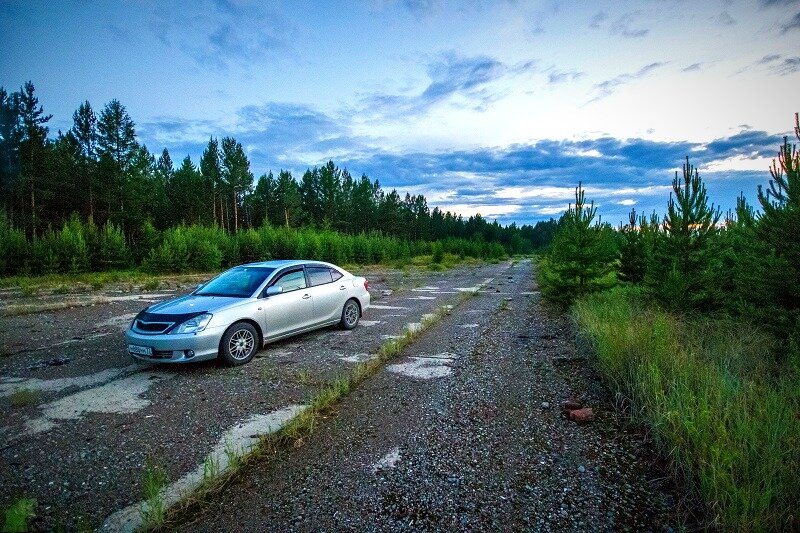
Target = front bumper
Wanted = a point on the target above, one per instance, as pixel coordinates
(168, 348)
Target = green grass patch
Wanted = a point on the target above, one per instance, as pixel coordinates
(18, 515)
(25, 397)
(153, 509)
(720, 409)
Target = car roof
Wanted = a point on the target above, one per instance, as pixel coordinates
(280, 263)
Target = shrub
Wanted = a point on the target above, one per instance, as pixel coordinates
(437, 253)
(14, 248)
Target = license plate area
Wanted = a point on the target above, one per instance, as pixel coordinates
(140, 350)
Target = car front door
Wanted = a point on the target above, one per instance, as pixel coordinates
(292, 309)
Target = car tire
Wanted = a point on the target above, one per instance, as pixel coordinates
(351, 313)
(239, 344)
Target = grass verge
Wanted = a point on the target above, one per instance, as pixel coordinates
(294, 433)
(17, 515)
(725, 415)
(153, 509)
(23, 397)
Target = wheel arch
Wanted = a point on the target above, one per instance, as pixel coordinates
(252, 323)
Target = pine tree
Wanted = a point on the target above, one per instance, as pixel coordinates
(10, 140)
(32, 146)
(263, 198)
(683, 266)
(236, 173)
(779, 227)
(583, 254)
(84, 132)
(310, 197)
(117, 148)
(287, 206)
(212, 176)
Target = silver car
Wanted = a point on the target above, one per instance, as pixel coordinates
(236, 313)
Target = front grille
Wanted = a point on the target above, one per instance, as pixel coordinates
(152, 328)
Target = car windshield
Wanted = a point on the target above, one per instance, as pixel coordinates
(239, 282)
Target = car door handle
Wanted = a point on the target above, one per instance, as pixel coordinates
(306, 296)
(342, 288)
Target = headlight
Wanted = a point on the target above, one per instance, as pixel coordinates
(194, 325)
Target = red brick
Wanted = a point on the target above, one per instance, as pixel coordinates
(582, 415)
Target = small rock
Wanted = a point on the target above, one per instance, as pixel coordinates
(571, 405)
(582, 415)
(581, 469)
(545, 405)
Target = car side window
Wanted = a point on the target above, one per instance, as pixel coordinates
(291, 281)
(335, 274)
(319, 275)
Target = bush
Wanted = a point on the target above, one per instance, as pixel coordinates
(14, 248)
(437, 253)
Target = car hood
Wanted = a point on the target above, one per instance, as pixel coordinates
(193, 304)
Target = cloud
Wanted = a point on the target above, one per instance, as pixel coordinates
(768, 59)
(725, 19)
(522, 183)
(598, 19)
(559, 76)
(223, 33)
(777, 3)
(449, 75)
(694, 67)
(789, 65)
(623, 27)
(793, 24)
(607, 87)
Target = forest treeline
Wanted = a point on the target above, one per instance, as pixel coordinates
(100, 171)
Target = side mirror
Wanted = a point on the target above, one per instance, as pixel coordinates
(272, 291)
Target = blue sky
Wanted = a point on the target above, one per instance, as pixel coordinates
(497, 107)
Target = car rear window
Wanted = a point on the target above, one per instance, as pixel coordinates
(319, 275)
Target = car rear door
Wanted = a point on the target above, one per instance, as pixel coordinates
(291, 310)
(329, 294)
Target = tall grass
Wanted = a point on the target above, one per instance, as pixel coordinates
(720, 409)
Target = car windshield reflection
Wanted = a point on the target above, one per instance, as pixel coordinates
(239, 282)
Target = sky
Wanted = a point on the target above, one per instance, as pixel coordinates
(492, 107)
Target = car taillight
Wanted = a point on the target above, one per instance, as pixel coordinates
(366, 284)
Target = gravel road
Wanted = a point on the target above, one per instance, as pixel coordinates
(464, 432)
(89, 421)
